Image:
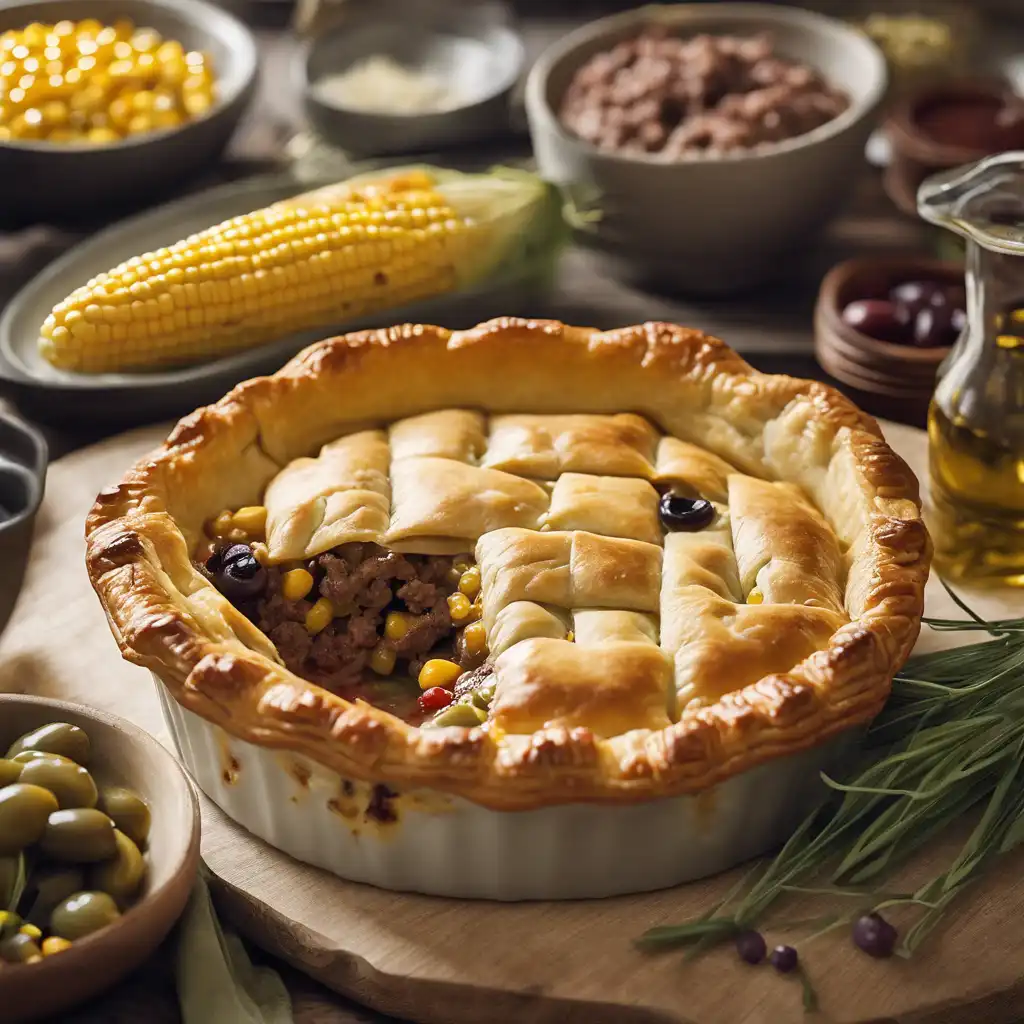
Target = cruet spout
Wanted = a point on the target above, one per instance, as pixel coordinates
(984, 202)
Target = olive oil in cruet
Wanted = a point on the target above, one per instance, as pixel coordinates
(976, 419)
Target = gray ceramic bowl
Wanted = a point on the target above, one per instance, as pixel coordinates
(713, 225)
(478, 56)
(46, 180)
(23, 459)
(22, 470)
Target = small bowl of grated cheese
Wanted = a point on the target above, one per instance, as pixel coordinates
(409, 79)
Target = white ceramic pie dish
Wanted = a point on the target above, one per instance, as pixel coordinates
(444, 845)
(616, 754)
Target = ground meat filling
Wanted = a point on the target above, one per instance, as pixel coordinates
(475, 679)
(364, 583)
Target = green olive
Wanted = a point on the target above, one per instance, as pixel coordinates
(37, 755)
(10, 922)
(70, 783)
(53, 885)
(79, 836)
(463, 714)
(20, 949)
(82, 914)
(9, 771)
(121, 876)
(23, 814)
(10, 868)
(56, 738)
(482, 698)
(128, 811)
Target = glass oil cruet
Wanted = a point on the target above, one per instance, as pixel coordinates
(976, 419)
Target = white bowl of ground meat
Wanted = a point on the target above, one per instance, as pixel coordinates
(714, 141)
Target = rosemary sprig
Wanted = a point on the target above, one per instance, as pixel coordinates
(950, 740)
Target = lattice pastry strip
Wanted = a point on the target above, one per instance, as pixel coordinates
(315, 504)
(610, 688)
(613, 506)
(459, 434)
(525, 620)
(691, 471)
(416, 488)
(441, 506)
(783, 546)
(769, 545)
(567, 569)
(610, 587)
(442, 499)
(544, 447)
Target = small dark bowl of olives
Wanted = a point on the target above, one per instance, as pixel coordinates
(884, 326)
(99, 849)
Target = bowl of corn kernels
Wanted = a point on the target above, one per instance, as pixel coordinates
(107, 104)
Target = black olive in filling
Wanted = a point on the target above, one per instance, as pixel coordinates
(365, 584)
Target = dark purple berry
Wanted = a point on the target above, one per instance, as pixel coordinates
(679, 513)
(874, 935)
(933, 327)
(783, 959)
(751, 946)
(877, 318)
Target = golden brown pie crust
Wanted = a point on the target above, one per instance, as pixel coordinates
(217, 664)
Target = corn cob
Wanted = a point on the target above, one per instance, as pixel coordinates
(372, 243)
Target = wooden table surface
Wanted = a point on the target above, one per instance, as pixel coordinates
(772, 328)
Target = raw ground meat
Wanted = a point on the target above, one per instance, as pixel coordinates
(709, 94)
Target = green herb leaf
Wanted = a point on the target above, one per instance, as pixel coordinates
(718, 928)
(20, 881)
(809, 994)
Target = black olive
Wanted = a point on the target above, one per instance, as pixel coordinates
(225, 554)
(751, 946)
(956, 296)
(235, 553)
(914, 296)
(877, 318)
(934, 327)
(784, 959)
(242, 579)
(679, 513)
(874, 935)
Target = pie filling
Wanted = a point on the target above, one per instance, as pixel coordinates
(400, 631)
(530, 571)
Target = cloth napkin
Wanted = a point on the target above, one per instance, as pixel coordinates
(217, 982)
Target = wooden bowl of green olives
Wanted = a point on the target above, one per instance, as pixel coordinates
(99, 849)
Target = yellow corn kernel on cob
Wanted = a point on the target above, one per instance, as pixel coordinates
(318, 260)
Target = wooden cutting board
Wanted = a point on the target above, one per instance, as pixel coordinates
(455, 962)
